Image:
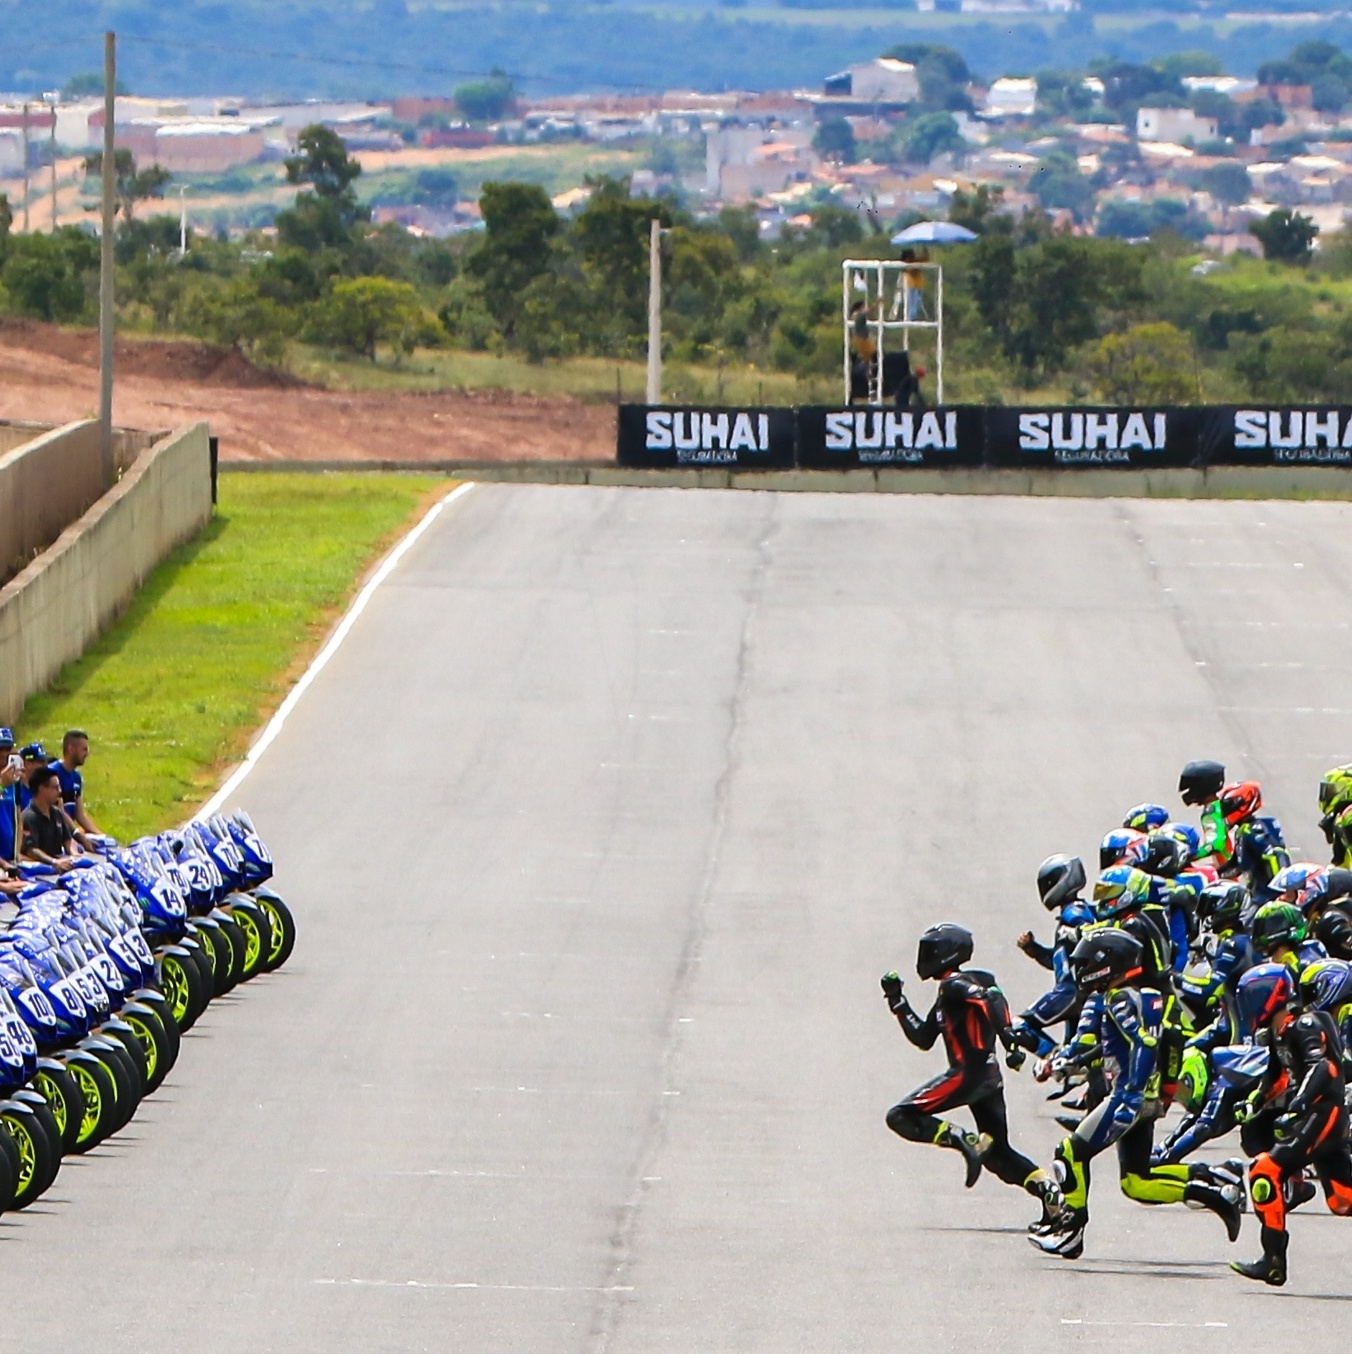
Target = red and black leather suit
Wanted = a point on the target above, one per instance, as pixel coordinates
(971, 1014)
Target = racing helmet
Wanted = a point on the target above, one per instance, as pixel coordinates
(1224, 904)
(1241, 799)
(1264, 990)
(942, 949)
(1118, 890)
(1114, 847)
(1146, 817)
(1159, 854)
(1059, 879)
(1335, 789)
(1105, 958)
(1326, 985)
(1277, 924)
(1200, 782)
(1333, 931)
(1186, 834)
(1306, 882)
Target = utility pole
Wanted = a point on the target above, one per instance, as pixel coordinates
(107, 296)
(52, 100)
(655, 313)
(25, 169)
(182, 221)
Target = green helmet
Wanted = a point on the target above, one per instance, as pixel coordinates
(1335, 789)
(1192, 1080)
(1277, 924)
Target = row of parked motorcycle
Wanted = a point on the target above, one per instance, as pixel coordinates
(104, 967)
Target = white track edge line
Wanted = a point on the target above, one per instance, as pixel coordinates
(276, 723)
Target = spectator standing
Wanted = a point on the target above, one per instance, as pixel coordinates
(74, 754)
(34, 757)
(11, 775)
(47, 832)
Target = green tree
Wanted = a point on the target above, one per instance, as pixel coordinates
(88, 83)
(1286, 236)
(942, 73)
(834, 140)
(360, 313)
(130, 185)
(1147, 364)
(1058, 184)
(931, 134)
(520, 225)
(1227, 182)
(975, 209)
(486, 100)
(322, 162)
(238, 316)
(45, 275)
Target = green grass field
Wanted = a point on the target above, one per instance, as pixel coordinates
(595, 379)
(174, 690)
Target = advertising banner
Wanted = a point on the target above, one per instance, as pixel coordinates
(1090, 438)
(866, 438)
(1276, 436)
(725, 438)
(869, 437)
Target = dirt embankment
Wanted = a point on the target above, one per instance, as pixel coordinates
(50, 375)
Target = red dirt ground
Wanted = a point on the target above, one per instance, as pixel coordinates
(50, 375)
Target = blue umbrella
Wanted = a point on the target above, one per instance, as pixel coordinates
(934, 232)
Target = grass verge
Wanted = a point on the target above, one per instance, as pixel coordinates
(174, 690)
(594, 379)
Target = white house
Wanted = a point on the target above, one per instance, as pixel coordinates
(1174, 124)
(1011, 98)
(882, 80)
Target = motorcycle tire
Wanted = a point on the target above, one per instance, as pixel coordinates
(283, 929)
(253, 921)
(120, 1068)
(35, 1154)
(9, 1150)
(46, 1121)
(184, 986)
(158, 1003)
(232, 931)
(8, 1173)
(136, 1055)
(155, 1044)
(61, 1089)
(202, 941)
(218, 949)
(100, 1100)
(206, 966)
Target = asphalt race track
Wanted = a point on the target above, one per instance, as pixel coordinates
(600, 828)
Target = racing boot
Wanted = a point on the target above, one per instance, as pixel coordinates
(1298, 1190)
(1065, 1238)
(1271, 1269)
(972, 1147)
(1224, 1203)
(1226, 1176)
(1042, 1186)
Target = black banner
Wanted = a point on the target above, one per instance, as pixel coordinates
(1255, 435)
(851, 439)
(728, 439)
(1090, 438)
(869, 437)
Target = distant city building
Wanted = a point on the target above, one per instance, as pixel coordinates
(883, 80)
(742, 162)
(1174, 125)
(1011, 98)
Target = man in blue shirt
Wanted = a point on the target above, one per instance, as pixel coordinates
(10, 778)
(74, 754)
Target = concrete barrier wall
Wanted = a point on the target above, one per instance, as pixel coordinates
(57, 606)
(45, 484)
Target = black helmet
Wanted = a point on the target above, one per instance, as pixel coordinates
(1333, 930)
(1105, 957)
(942, 949)
(1164, 856)
(1059, 879)
(1224, 903)
(1200, 782)
(1275, 925)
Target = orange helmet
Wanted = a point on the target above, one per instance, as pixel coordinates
(1240, 800)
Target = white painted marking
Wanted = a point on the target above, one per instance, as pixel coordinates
(321, 659)
(486, 1287)
(1155, 1325)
